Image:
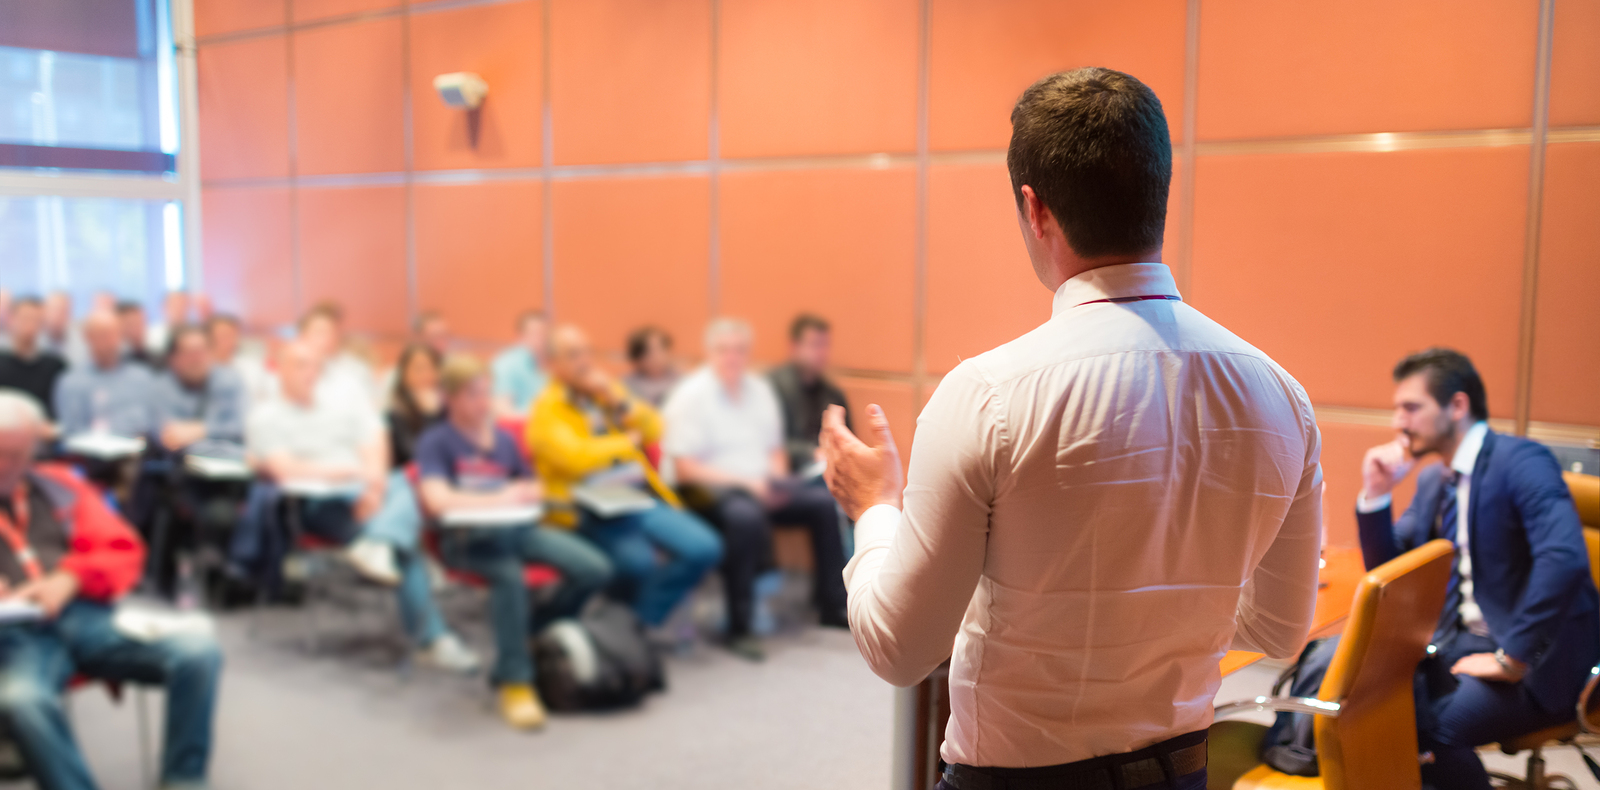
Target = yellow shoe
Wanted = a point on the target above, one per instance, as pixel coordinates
(520, 706)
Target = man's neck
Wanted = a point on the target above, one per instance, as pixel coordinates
(733, 388)
(481, 432)
(304, 400)
(1449, 446)
(107, 365)
(25, 346)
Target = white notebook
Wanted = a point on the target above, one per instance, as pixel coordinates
(488, 517)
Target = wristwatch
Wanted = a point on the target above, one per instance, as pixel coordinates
(1505, 664)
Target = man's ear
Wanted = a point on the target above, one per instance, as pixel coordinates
(1033, 212)
(1460, 406)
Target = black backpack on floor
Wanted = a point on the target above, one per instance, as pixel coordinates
(1289, 745)
(599, 660)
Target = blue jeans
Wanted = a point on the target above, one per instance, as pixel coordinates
(498, 555)
(398, 523)
(37, 660)
(631, 541)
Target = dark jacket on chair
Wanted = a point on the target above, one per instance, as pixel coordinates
(1530, 567)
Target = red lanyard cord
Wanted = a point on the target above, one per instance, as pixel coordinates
(17, 537)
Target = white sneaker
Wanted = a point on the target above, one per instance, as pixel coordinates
(374, 560)
(448, 653)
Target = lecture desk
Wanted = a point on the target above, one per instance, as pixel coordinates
(921, 712)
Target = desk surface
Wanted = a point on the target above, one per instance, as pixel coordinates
(1339, 576)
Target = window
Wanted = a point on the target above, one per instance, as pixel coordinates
(95, 190)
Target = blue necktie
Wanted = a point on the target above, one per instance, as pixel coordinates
(1447, 529)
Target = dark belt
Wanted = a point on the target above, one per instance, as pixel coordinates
(1152, 765)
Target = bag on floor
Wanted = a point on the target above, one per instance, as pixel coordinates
(1290, 745)
(597, 661)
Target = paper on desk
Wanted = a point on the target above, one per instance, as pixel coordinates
(217, 468)
(610, 500)
(148, 624)
(103, 446)
(508, 516)
(17, 611)
(321, 488)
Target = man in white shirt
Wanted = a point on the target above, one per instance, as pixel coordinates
(1098, 510)
(724, 438)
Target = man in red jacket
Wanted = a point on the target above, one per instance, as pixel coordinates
(64, 558)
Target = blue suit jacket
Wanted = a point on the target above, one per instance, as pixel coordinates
(1530, 567)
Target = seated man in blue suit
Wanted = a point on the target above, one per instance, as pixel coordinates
(1520, 628)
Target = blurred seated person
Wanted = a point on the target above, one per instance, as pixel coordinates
(652, 372)
(61, 337)
(519, 370)
(724, 437)
(174, 313)
(135, 339)
(389, 549)
(586, 428)
(226, 337)
(432, 330)
(344, 374)
(466, 464)
(199, 405)
(68, 554)
(1521, 623)
(308, 440)
(29, 365)
(111, 394)
(804, 390)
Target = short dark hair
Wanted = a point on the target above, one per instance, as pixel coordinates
(182, 331)
(805, 321)
(1093, 144)
(528, 315)
(128, 306)
(639, 341)
(1447, 372)
(327, 308)
(223, 318)
(27, 301)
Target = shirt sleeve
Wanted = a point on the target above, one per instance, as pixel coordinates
(434, 460)
(1278, 601)
(771, 414)
(262, 431)
(684, 435)
(914, 572)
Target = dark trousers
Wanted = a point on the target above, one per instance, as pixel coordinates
(746, 527)
(1154, 767)
(1456, 714)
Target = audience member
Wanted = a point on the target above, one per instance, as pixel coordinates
(225, 333)
(111, 394)
(195, 401)
(586, 429)
(174, 313)
(60, 336)
(804, 389)
(71, 556)
(28, 365)
(519, 370)
(308, 440)
(432, 330)
(724, 437)
(652, 372)
(467, 464)
(389, 549)
(1520, 630)
(344, 375)
(135, 338)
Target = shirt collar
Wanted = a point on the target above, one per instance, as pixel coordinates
(1111, 282)
(1467, 452)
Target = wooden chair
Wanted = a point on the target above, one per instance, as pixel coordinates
(1365, 726)
(1586, 719)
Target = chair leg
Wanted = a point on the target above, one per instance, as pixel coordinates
(147, 776)
(1536, 778)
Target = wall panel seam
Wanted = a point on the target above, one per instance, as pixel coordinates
(919, 290)
(1527, 318)
(1184, 265)
(547, 145)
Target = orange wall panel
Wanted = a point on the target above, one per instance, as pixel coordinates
(839, 243)
(982, 291)
(349, 113)
(630, 252)
(1343, 447)
(1338, 265)
(212, 17)
(1272, 69)
(1566, 359)
(353, 251)
(984, 53)
(806, 77)
(1575, 64)
(248, 264)
(244, 109)
(501, 43)
(305, 10)
(899, 405)
(630, 80)
(480, 254)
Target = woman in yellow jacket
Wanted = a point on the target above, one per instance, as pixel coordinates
(587, 433)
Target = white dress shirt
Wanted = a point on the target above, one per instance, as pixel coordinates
(732, 433)
(1095, 513)
(1462, 462)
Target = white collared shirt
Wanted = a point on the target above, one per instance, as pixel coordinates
(1462, 462)
(732, 433)
(1095, 513)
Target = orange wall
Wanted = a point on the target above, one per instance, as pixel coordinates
(667, 160)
